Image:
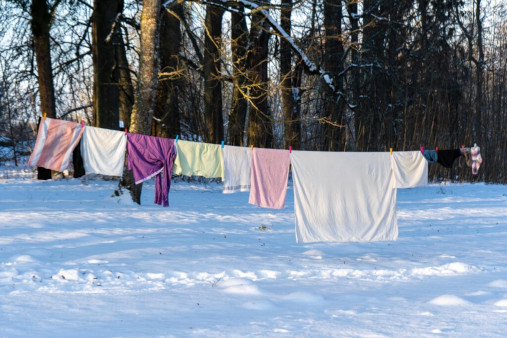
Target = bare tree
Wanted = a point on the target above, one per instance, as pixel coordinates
(292, 127)
(239, 106)
(105, 37)
(142, 114)
(260, 129)
(167, 121)
(214, 126)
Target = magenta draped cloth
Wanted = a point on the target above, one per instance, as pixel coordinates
(149, 156)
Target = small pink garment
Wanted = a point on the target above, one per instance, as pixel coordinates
(269, 175)
(56, 140)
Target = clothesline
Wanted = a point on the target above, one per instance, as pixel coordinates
(338, 196)
(462, 149)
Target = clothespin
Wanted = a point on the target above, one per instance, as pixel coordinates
(222, 144)
(177, 136)
(251, 146)
(391, 151)
(436, 149)
(45, 115)
(82, 123)
(422, 150)
(125, 131)
(290, 149)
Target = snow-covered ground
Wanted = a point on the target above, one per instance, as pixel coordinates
(77, 262)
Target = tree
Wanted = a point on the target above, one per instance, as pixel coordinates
(239, 106)
(292, 127)
(106, 36)
(214, 126)
(142, 114)
(167, 121)
(260, 129)
(334, 136)
(42, 17)
(144, 107)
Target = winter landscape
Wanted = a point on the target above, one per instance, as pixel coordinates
(77, 262)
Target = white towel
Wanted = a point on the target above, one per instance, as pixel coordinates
(237, 166)
(342, 197)
(103, 151)
(410, 169)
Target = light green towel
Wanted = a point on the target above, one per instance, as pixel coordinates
(199, 159)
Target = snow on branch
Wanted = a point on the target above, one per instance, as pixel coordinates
(309, 65)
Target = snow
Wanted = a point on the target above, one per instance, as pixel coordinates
(75, 261)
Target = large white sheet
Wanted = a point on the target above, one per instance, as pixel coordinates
(103, 151)
(237, 166)
(341, 197)
(410, 169)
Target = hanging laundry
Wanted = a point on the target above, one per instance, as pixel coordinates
(55, 143)
(475, 152)
(269, 176)
(343, 197)
(431, 156)
(103, 151)
(410, 169)
(237, 167)
(148, 156)
(199, 159)
(447, 157)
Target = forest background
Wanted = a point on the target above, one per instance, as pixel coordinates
(323, 75)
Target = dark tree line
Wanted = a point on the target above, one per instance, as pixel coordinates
(334, 75)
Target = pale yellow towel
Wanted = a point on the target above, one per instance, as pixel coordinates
(199, 159)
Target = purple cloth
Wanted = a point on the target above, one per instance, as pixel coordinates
(147, 157)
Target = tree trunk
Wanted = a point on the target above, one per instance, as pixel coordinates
(292, 134)
(370, 132)
(479, 77)
(40, 25)
(354, 41)
(125, 88)
(106, 36)
(333, 54)
(167, 105)
(237, 117)
(142, 114)
(260, 129)
(214, 132)
(144, 107)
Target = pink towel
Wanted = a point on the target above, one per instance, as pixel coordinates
(269, 175)
(56, 140)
